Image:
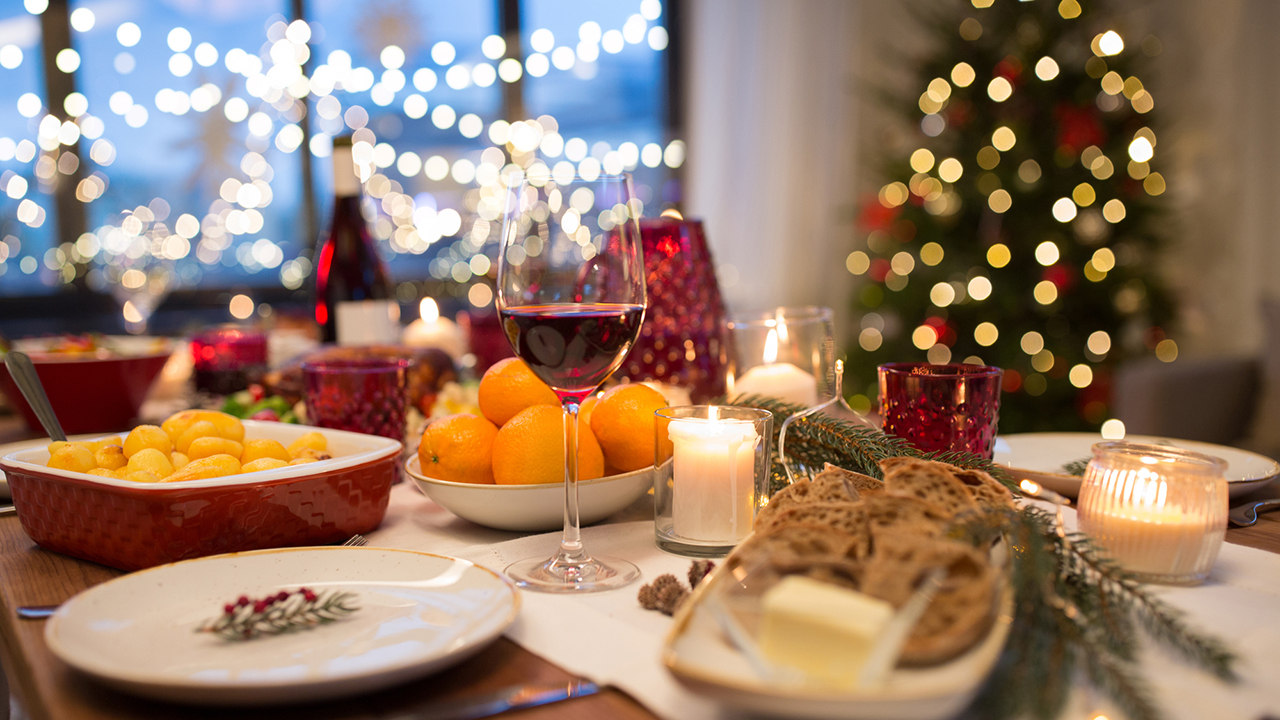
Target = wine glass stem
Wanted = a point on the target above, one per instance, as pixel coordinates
(571, 544)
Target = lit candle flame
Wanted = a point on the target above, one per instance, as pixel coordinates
(429, 310)
(771, 348)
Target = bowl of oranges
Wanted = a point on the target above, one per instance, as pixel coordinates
(504, 466)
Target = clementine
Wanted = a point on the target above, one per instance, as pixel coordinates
(529, 449)
(458, 448)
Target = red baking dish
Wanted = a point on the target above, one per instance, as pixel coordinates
(132, 526)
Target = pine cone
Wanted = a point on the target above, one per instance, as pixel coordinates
(670, 597)
(698, 570)
(648, 598)
(666, 580)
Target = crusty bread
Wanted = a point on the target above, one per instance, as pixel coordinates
(962, 610)
(929, 481)
(863, 483)
(885, 510)
(847, 517)
(823, 488)
(794, 543)
(989, 493)
(883, 539)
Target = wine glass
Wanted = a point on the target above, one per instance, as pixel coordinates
(571, 297)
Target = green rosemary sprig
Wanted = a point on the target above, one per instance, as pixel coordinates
(284, 612)
(1074, 608)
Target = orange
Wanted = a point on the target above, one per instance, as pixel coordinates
(529, 449)
(508, 387)
(584, 411)
(623, 423)
(458, 448)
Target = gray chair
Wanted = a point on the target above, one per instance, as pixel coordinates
(1211, 400)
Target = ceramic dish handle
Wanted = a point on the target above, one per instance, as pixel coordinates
(24, 376)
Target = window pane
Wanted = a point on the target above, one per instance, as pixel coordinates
(421, 90)
(198, 156)
(28, 226)
(598, 69)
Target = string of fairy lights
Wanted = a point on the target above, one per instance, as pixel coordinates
(143, 251)
(932, 185)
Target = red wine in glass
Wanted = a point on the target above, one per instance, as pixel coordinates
(573, 348)
(571, 297)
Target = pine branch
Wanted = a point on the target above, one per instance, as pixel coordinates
(1165, 623)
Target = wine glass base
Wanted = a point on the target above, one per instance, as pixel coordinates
(557, 575)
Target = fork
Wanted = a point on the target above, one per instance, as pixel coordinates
(40, 612)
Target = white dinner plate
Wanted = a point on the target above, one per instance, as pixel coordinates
(27, 445)
(532, 508)
(1041, 457)
(419, 613)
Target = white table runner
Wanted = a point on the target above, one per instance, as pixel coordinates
(608, 638)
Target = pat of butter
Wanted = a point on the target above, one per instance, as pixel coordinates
(824, 630)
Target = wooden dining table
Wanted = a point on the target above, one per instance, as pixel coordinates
(47, 689)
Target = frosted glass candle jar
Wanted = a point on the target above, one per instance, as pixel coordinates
(1160, 512)
(711, 469)
(787, 353)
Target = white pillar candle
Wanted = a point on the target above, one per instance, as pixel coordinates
(433, 331)
(780, 380)
(713, 478)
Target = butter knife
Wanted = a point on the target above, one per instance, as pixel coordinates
(513, 697)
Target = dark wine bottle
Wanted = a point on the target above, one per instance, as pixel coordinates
(355, 301)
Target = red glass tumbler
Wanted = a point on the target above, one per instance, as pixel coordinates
(941, 408)
(364, 396)
(228, 359)
(683, 340)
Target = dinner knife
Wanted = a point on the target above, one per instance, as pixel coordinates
(513, 697)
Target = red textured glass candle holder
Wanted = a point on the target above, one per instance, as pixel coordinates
(364, 396)
(683, 339)
(228, 359)
(941, 408)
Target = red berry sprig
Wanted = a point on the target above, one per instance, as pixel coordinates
(284, 612)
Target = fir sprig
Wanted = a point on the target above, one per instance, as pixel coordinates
(1073, 606)
(1076, 467)
(284, 612)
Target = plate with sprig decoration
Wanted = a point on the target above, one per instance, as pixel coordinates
(283, 625)
(1057, 460)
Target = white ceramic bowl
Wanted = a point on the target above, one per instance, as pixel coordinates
(532, 508)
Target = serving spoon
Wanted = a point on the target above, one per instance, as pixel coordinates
(23, 372)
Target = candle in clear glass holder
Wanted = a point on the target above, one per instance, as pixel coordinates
(1159, 512)
(711, 470)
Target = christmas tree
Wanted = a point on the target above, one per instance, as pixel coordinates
(1019, 231)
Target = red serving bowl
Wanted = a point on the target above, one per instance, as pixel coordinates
(131, 526)
(97, 391)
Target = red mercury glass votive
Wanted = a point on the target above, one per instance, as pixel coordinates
(683, 340)
(364, 396)
(227, 359)
(941, 408)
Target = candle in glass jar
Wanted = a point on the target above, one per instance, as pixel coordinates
(713, 478)
(432, 331)
(780, 380)
(1160, 512)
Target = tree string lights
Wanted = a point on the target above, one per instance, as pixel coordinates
(1019, 231)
